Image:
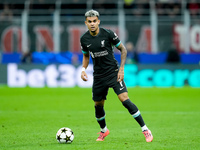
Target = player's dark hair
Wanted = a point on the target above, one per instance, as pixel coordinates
(92, 13)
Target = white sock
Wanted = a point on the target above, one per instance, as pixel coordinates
(104, 129)
(144, 128)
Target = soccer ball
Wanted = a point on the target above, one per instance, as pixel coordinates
(65, 135)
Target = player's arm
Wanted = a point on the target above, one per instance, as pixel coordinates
(123, 50)
(85, 63)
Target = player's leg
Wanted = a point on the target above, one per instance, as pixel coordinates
(100, 116)
(121, 90)
(134, 111)
(100, 91)
(132, 108)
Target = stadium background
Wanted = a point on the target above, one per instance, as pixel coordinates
(40, 59)
(40, 41)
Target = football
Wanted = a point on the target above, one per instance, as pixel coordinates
(65, 135)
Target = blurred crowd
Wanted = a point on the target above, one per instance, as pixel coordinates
(171, 8)
(132, 7)
(163, 7)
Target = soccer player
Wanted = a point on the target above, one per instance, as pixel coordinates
(98, 42)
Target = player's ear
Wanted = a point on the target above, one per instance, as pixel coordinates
(98, 21)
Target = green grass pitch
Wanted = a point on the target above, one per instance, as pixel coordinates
(30, 118)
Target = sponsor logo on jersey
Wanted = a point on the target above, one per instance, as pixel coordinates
(102, 53)
(99, 54)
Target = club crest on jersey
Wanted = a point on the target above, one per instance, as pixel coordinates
(103, 43)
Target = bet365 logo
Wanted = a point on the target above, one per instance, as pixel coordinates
(65, 75)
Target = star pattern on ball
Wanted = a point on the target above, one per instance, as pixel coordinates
(58, 137)
(63, 130)
(67, 138)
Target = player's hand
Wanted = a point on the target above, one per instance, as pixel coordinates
(84, 76)
(120, 75)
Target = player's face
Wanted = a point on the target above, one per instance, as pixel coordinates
(92, 23)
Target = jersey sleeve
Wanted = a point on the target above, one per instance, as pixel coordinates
(83, 47)
(114, 38)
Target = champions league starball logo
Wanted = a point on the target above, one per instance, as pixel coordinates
(116, 36)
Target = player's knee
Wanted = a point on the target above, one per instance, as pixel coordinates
(123, 96)
(99, 103)
(132, 108)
